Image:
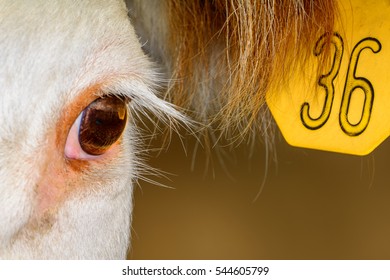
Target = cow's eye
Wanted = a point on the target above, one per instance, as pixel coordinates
(98, 127)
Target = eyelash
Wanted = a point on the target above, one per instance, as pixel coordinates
(97, 128)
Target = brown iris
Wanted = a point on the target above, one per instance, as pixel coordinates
(102, 124)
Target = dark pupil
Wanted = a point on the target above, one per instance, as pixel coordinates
(102, 124)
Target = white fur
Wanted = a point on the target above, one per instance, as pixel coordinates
(50, 51)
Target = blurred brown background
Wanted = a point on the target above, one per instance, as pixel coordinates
(315, 205)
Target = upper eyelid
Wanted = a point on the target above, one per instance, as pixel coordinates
(128, 88)
(107, 92)
(98, 90)
(142, 94)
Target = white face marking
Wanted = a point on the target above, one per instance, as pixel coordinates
(57, 57)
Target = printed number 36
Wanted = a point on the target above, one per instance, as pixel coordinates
(352, 83)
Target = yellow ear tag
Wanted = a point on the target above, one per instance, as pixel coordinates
(349, 111)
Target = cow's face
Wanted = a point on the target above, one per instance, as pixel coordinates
(69, 70)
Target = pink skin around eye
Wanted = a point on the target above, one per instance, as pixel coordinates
(73, 149)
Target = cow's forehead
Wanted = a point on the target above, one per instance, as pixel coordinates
(51, 50)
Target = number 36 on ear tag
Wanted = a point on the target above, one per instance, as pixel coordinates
(346, 108)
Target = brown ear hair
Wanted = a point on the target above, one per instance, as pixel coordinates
(224, 55)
